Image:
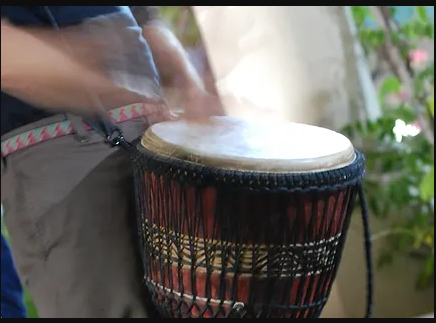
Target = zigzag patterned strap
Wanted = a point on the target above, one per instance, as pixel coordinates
(65, 128)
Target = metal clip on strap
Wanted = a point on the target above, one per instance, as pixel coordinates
(113, 135)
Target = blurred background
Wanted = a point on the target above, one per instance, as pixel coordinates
(367, 72)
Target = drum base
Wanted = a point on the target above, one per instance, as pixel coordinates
(175, 306)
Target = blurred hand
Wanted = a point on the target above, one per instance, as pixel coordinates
(77, 70)
(200, 105)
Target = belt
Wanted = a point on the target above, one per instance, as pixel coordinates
(65, 128)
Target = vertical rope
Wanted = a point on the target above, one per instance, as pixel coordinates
(368, 254)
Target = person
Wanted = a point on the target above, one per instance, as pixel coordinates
(67, 194)
(11, 289)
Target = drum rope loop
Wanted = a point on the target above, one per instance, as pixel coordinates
(203, 176)
(368, 254)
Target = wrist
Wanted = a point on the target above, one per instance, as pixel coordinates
(189, 80)
(190, 87)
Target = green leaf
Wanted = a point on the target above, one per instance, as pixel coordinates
(422, 12)
(427, 186)
(403, 242)
(374, 205)
(348, 131)
(419, 238)
(408, 30)
(391, 85)
(360, 14)
(429, 30)
(429, 240)
(385, 259)
(399, 192)
(420, 28)
(427, 274)
(360, 128)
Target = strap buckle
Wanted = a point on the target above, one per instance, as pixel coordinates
(115, 137)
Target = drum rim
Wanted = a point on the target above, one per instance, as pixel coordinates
(145, 160)
(334, 160)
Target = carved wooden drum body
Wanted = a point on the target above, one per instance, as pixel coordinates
(243, 219)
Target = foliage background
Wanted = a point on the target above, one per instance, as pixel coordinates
(399, 145)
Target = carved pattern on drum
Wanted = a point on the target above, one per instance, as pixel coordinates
(200, 254)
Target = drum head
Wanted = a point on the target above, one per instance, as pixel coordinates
(247, 145)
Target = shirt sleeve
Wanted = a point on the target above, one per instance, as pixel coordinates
(145, 14)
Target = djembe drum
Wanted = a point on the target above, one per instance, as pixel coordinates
(241, 219)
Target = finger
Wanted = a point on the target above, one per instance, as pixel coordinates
(219, 109)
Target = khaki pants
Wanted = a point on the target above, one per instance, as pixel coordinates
(68, 209)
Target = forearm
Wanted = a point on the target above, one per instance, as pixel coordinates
(171, 59)
(38, 67)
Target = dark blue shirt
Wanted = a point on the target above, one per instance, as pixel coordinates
(12, 292)
(16, 113)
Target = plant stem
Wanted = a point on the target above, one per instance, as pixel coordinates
(387, 233)
(399, 67)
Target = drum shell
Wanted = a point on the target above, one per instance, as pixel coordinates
(226, 251)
